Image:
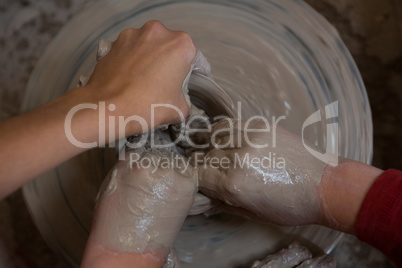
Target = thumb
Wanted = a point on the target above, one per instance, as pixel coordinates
(211, 179)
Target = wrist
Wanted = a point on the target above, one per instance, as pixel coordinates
(80, 117)
(91, 121)
(342, 192)
(118, 119)
(98, 256)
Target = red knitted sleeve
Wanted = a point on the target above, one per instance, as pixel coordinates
(379, 222)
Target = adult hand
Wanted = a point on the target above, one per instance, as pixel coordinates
(277, 183)
(144, 66)
(140, 211)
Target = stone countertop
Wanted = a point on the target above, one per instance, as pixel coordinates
(371, 30)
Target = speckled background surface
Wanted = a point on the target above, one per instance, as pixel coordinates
(371, 29)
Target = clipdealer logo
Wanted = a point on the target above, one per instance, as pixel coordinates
(332, 142)
(234, 135)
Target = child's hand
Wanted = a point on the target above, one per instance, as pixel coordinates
(141, 210)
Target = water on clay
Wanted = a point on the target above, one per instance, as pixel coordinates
(275, 58)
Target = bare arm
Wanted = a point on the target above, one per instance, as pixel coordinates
(36, 141)
(342, 192)
(144, 67)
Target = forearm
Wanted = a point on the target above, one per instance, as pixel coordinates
(145, 66)
(342, 192)
(36, 141)
(41, 139)
(96, 256)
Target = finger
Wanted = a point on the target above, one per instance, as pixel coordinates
(126, 37)
(209, 181)
(212, 173)
(201, 65)
(289, 257)
(104, 46)
(223, 207)
(193, 54)
(154, 28)
(202, 204)
(226, 133)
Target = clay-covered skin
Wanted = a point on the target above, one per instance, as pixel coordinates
(172, 260)
(278, 183)
(295, 255)
(285, 258)
(142, 208)
(325, 261)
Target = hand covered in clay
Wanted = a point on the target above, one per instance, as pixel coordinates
(143, 205)
(278, 182)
